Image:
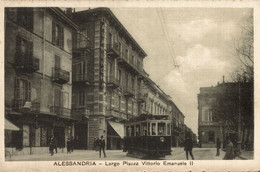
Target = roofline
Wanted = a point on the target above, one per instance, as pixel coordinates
(59, 12)
(118, 22)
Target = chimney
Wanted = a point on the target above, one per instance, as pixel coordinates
(223, 79)
(69, 12)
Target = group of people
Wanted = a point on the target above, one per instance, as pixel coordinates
(230, 149)
(53, 145)
(99, 144)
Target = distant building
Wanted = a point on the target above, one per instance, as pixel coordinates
(226, 110)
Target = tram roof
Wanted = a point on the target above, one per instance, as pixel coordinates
(145, 117)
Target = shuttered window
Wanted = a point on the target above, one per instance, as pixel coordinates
(25, 18)
(57, 35)
(23, 89)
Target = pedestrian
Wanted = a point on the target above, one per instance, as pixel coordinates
(218, 146)
(188, 145)
(229, 150)
(68, 146)
(55, 145)
(52, 145)
(71, 144)
(102, 144)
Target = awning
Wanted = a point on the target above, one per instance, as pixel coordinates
(118, 127)
(10, 126)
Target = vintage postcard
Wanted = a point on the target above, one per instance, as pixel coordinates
(130, 85)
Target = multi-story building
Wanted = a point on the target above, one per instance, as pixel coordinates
(38, 67)
(107, 78)
(226, 110)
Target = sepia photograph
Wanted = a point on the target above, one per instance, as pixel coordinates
(128, 86)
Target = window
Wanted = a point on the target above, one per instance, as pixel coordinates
(126, 80)
(128, 131)
(207, 117)
(132, 104)
(148, 129)
(23, 89)
(57, 35)
(133, 83)
(81, 98)
(24, 50)
(25, 18)
(144, 129)
(82, 39)
(161, 129)
(137, 133)
(153, 128)
(119, 76)
(120, 48)
(132, 130)
(211, 136)
(126, 53)
(119, 103)
(168, 129)
(65, 100)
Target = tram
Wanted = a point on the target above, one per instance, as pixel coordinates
(148, 136)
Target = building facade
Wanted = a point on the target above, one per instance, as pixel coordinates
(38, 82)
(113, 68)
(226, 110)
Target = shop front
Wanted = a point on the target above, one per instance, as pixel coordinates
(115, 135)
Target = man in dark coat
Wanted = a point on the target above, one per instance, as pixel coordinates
(188, 145)
(102, 144)
(229, 150)
(218, 146)
(52, 145)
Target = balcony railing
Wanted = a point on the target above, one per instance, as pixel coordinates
(112, 82)
(140, 97)
(80, 78)
(113, 50)
(27, 64)
(60, 76)
(60, 111)
(128, 91)
(26, 106)
(79, 112)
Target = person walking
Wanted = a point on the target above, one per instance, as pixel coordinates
(68, 146)
(55, 145)
(218, 146)
(229, 150)
(71, 144)
(102, 144)
(95, 144)
(188, 145)
(52, 145)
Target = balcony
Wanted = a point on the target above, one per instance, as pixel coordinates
(27, 64)
(140, 97)
(113, 50)
(124, 62)
(60, 76)
(26, 106)
(80, 79)
(128, 91)
(112, 82)
(60, 111)
(79, 112)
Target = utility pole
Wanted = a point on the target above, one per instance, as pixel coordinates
(239, 117)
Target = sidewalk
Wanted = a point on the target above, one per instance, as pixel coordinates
(247, 155)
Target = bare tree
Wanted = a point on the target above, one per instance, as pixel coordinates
(244, 51)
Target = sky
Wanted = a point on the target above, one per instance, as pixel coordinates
(187, 48)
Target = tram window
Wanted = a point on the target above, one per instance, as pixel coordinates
(137, 130)
(168, 129)
(148, 129)
(144, 129)
(161, 129)
(153, 129)
(132, 130)
(128, 131)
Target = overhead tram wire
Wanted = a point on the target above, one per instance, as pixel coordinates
(162, 21)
